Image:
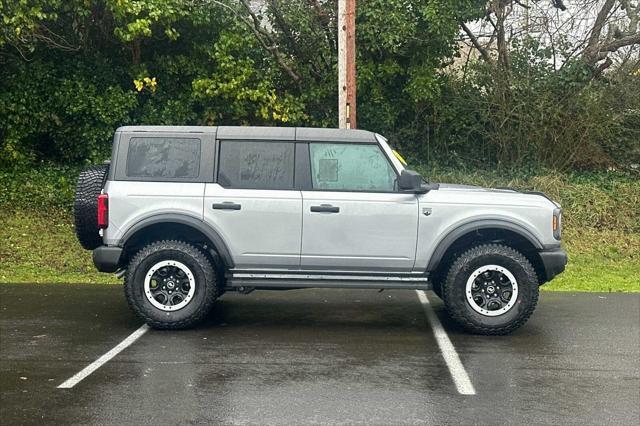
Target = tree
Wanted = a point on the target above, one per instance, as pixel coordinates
(589, 29)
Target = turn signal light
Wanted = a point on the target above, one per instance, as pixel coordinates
(557, 224)
(103, 211)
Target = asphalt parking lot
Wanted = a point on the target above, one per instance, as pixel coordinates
(315, 356)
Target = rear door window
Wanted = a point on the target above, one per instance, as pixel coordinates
(256, 165)
(163, 158)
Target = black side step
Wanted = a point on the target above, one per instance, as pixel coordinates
(303, 280)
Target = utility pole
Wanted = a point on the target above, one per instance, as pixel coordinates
(347, 64)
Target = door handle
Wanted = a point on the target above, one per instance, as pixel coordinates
(325, 208)
(227, 205)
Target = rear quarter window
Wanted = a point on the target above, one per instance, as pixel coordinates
(163, 157)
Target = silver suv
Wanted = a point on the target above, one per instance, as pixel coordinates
(188, 213)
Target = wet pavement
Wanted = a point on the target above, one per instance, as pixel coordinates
(314, 356)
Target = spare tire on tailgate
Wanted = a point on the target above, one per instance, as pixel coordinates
(85, 207)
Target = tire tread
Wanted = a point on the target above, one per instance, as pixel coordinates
(85, 205)
(212, 290)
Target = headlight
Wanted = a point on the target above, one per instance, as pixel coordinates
(557, 224)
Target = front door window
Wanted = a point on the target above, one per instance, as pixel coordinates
(350, 167)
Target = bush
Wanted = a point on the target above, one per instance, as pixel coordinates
(46, 188)
(595, 200)
(533, 116)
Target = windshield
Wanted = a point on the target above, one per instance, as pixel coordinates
(394, 156)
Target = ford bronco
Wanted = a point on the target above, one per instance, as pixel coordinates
(188, 213)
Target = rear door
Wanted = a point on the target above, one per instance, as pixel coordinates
(354, 219)
(253, 204)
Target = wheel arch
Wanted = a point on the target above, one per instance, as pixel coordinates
(485, 231)
(174, 226)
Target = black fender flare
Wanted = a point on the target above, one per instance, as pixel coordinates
(446, 242)
(219, 245)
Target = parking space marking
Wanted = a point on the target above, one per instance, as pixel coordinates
(457, 370)
(77, 378)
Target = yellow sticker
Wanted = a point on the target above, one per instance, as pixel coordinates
(399, 157)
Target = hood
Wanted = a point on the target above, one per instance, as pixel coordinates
(453, 187)
(458, 187)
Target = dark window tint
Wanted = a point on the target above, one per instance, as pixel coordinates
(163, 158)
(256, 165)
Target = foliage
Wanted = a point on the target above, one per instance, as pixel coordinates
(44, 188)
(538, 117)
(60, 114)
(73, 71)
(590, 200)
(237, 91)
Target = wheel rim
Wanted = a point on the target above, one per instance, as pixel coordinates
(491, 290)
(169, 285)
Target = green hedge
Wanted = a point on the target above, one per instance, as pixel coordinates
(45, 187)
(599, 200)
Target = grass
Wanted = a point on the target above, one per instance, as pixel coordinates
(600, 260)
(42, 248)
(601, 227)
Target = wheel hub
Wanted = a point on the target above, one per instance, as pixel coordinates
(491, 290)
(169, 285)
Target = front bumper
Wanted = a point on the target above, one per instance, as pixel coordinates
(107, 258)
(554, 262)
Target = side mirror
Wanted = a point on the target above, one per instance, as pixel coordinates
(411, 181)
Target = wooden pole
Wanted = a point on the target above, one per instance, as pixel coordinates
(351, 63)
(347, 64)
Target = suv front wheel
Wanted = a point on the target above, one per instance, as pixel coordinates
(170, 284)
(491, 289)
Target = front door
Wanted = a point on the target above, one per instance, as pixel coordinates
(254, 206)
(354, 219)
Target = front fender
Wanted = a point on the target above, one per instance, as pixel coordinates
(474, 225)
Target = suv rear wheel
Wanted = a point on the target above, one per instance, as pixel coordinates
(491, 289)
(171, 284)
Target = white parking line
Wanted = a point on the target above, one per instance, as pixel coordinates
(77, 378)
(458, 373)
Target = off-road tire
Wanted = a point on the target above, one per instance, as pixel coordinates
(206, 284)
(85, 206)
(436, 286)
(454, 287)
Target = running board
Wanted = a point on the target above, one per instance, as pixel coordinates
(271, 280)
